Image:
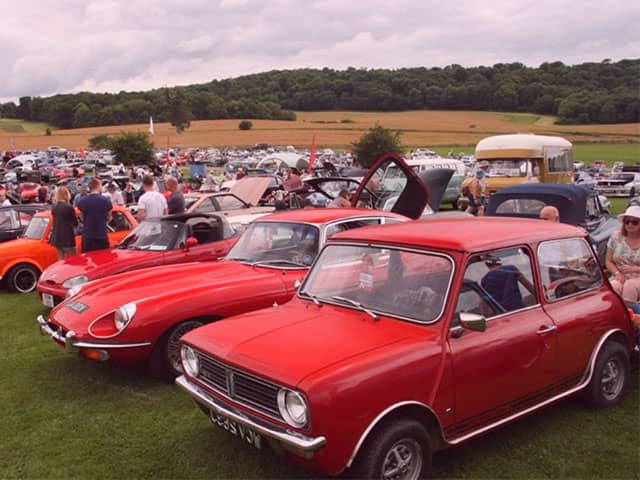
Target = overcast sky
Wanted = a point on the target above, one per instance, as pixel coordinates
(59, 46)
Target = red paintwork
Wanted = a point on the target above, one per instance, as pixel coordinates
(166, 296)
(352, 368)
(29, 191)
(103, 263)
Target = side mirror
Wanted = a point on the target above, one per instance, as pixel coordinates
(473, 321)
(190, 243)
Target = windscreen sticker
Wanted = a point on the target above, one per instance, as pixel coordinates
(158, 248)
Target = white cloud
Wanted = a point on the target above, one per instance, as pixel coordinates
(110, 45)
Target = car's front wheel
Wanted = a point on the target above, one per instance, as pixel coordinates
(165, 359)
(398, 449)
(610, 376)
(22, 278)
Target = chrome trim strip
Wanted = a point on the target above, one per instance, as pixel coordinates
(585, 381)
(45, 329)
(288, 437)
(379, 417)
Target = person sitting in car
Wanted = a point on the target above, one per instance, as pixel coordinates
(503, 282)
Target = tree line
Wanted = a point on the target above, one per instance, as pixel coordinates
(604, 92)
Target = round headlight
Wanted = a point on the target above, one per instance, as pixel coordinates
(75, 281)
(124, 315)
(293, 408)
(190, 361)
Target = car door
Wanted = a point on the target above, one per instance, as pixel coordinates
(390, 184)
(507, 365)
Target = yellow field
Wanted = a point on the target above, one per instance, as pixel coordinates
(419, 128)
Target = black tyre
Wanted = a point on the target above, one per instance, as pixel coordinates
(22, 278)
(610, 376)
(398, 449)
(164, 362)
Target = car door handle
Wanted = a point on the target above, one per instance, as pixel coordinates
(546, 329)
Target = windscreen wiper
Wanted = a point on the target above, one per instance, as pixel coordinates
(276, 262)
(312, 297)
(358, 305)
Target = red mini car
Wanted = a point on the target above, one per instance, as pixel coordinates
(409, 338)
(158, 241)
(139, 316)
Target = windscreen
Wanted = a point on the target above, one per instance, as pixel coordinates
(36, 228)
(153, 235)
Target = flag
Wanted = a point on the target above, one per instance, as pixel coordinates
(312, 154)
(168, 148)
(83, 155)
(151, 130)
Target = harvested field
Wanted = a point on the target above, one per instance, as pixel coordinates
(339, 129)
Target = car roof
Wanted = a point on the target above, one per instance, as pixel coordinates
(326, 215)
(566, 190)
(463, 234)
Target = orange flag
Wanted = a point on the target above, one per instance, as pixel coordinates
(312, 154)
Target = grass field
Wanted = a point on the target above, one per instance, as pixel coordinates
(11, 126)
(68, 418)
(338, 129)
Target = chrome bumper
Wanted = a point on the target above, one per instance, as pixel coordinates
(287, 437)
(71, 345)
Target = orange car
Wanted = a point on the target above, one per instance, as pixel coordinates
(23, 259)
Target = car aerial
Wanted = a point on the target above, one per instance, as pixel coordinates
(623, 184)
(178, 238)
(139, 316)
(577, 205)
(409, 338)
(23, 259)
(15, 218)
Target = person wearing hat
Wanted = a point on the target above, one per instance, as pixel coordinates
(623, 256)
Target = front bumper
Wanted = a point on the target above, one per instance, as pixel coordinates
(99, 351)
(297, 443)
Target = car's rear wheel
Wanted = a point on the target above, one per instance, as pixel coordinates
(165, 359)
(398, 449)
(610, 376)
(22, 278)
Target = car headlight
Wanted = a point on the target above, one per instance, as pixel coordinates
(190, 360)
(75, 281)
(293, 408)
(124, 315)
(73, 291)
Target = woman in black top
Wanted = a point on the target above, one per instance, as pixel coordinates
(64, 222)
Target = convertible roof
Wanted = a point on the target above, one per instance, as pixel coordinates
(574, 193)
(462, 234)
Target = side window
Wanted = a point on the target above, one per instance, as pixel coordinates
(343, 226)
(567, 267)
(497, 282)
(119, 222)
(206, 206)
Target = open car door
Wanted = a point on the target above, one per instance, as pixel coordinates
(391, 185)
(436, 180)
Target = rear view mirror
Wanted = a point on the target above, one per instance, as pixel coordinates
(190, 243)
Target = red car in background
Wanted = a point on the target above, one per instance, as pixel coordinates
(410, 338)
(139, 316)
(167, 240)
(28, 192)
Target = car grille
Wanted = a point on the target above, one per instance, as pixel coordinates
(242, 387)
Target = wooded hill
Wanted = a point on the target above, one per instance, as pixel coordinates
(603, 92)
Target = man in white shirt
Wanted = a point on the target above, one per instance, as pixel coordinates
(7, 219)
(151, 204)
(115, 195)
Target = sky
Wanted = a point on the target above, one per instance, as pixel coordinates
(62, 46)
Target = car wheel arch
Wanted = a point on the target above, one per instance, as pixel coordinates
(408, 409)
(20, 261)
(8, 271)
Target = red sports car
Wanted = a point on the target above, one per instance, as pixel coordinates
(160, 241)
(139, 316)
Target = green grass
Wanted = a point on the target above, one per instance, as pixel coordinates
(11, 125)
(69, 418)
(523, 119)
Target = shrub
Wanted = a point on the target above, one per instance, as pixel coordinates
(245, 125)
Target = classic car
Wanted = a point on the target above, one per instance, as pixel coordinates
(180, 238)
(577, 206)
(139, 316)
(409, 338)
(23, 259)
(623, 184)
(15, 218)
(28, 192)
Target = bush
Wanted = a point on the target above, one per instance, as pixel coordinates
(132, 148)
(100, 142)
(47, 132)
(245, 125)
(374, 143)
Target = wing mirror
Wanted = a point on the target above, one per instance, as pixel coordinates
(473, 321)
(190, 243)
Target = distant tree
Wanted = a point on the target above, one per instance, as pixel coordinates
(178, 113)
(47, 132)
(245, 125)
(374, 143)
(132, 148)
(81, 116)
(100, 142)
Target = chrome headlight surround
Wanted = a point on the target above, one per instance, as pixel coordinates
(76, 281)
(190, 360)
(124, 315)
(293, 408)
(73, 291)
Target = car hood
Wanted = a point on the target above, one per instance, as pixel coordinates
(251, 189)
(265, 342)
(98, 264)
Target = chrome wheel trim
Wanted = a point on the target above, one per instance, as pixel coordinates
(403, 461)
(612, 379)
(25, 280)
(173, 348)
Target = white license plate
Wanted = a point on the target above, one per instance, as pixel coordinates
(47, 300)
(245, 433)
